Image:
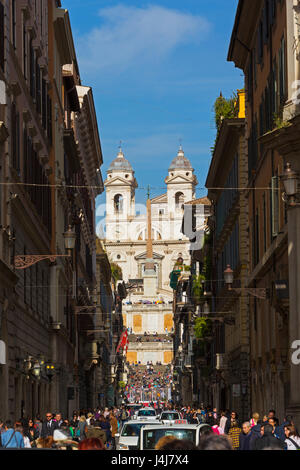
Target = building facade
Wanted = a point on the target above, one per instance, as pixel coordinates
(147, 311)
(44, 155)
(230, 378)
(264, 46)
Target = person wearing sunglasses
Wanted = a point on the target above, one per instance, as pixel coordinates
(49, 426)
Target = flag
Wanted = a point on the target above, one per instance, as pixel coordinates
(123, 340)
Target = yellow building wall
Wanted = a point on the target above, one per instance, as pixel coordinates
(137, 323)
(168, 356)
(131, 356)
(168, 321)
(124, 319)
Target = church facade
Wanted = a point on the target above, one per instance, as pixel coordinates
(147, 311)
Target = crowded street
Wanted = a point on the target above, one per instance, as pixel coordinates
(149, 219)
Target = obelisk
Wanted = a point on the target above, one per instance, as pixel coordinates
(150, 275)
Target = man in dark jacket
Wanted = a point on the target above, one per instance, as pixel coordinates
(245, 436)
(268, 440)
(255, 434)
(48, 426)
(279, 431)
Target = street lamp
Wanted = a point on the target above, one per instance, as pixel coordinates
(206, 308)
(36, 370)
(25, 261)
(70, 239)
(290, 180)
(228, 276)
(50, 371)
(261, 292)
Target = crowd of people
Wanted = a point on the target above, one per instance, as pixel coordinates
(144, 382)
(96, 430)
(257, 433)
(56, 431)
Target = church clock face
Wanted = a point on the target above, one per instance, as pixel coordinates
(119, 232)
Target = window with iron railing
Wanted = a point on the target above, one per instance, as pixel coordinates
(228, 196)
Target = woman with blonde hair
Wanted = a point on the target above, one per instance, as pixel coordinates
(81, 429)
(254, 419)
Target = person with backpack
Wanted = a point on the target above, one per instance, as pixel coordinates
(11, 439)
(292, 437)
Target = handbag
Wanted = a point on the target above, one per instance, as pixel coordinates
(293, 442)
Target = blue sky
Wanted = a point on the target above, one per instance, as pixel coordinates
(156, 69)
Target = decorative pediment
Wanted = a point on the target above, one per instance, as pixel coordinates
(160, 199)
(179, 179)
(143, 256)
(116, 181)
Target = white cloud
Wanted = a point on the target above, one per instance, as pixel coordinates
(130, 37)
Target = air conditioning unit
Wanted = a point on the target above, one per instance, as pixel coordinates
(220, 361)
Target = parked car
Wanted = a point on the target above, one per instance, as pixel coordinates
(150, 435)
(129, 435)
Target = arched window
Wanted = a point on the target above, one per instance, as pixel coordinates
(179, 200)
(118, 203)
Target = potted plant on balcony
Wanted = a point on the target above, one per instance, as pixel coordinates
(197, 288)
(203, 329)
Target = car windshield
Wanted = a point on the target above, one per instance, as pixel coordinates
(150, 438)
(170, 416)
(146, 413)
(131, 429)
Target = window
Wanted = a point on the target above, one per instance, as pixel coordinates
(49, 118)
(256, 238)
(32, 70)
(250, 79)
(24, 50)
(15, 138)
(38, 86)
(266, 21)
(265, 223)
(260, 45)
(1, 36)
(118, 203)
(44, 103)
(275, 205)
(13, 23)
(282, 73)
(179, 200)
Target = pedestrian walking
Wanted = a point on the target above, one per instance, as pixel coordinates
(292, 437)
(245, 436)
(80, 431)
(234, 434)
(48, 426)
(11, 438)
(267, 439)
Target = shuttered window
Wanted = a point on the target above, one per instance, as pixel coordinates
(275, 205)
(282, 72)
(32, 70)
(15, 138)
(1, 36)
